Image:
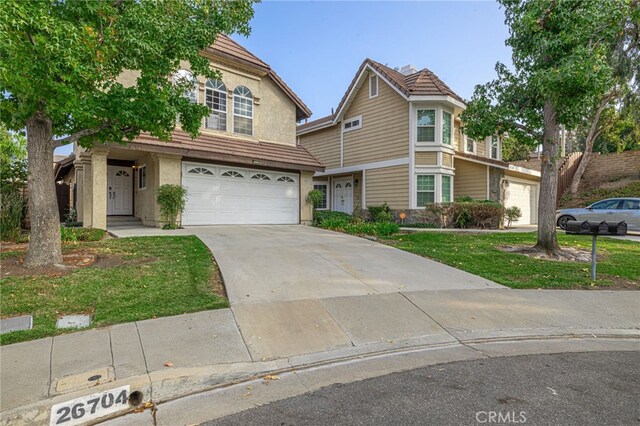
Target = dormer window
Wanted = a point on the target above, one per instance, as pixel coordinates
(352, 123)
(373, 86)
(186, 77)
(242, 111)
(216, 100)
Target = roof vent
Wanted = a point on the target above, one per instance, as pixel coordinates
(408, 70)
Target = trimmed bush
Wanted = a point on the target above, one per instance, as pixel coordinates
(171, 199)
(323, 215)
(73, 235)
(11, 214)
(478, 214)
(380, 213)
(381, 229)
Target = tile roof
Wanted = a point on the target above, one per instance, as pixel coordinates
(225, 47)
(232, 150)
(320, 121)
(487, 160)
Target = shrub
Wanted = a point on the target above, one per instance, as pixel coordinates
(322, 215)
(73, 235)
(11, 214)
(444, 212)
(480, 214)
(336, 223)
(375, 213)
(384, 229)
(314, 197)
(512, 214)
(171, 199)
(71, 217)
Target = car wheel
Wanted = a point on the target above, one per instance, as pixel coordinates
(562, 221)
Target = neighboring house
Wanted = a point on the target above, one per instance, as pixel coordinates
(245, 167)
(396, 138)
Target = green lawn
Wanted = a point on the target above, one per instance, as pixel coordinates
(618, 261)
(140, 278)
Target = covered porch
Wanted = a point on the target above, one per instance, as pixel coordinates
(118, 183)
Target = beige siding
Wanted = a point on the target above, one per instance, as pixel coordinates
(457, 136)
(385, 126)
(470, 180)
(426, 158)
(481, 148)
(447, 159)
(390, 185)
(324, 145)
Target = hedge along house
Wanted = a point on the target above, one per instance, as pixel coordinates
(244, 168)
(396, 138)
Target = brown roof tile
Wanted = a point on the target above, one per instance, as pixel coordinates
(324, 120)
(487, 160)
(233, 150)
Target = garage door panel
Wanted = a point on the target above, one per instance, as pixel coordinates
(524, 196)
(217, 199)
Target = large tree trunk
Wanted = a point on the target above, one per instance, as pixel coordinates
(547, 240)
(44, 243)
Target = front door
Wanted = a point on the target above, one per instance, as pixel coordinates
(343, 195)
(119, 191)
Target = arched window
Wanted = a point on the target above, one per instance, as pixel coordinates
(216, 99)
(232, 173)
(183, 77)
(200, 171)
(242, 111)
(260, 176)
(285, 179)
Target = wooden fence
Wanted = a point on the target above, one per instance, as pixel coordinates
(566, 171)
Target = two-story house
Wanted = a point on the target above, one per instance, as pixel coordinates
(395, 137)
(244, 168)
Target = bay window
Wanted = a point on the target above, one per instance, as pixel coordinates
(426, 190)
(447, 127)
(426, 125)
(446, 189)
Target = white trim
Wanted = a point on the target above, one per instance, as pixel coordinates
(499, 147)
(371, 77)
(138, 168)
(367, 166)
(412, 157)
(488, 186)
(346, 179)
(486, 163)
(341, 144)
(363, 197)
(421, 170)
(437, 98)
(326, 193)
(524, 170)
(351, 120)
(315, 127)
(475, 145)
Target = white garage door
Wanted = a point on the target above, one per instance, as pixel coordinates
(525, 196)
(221, 195)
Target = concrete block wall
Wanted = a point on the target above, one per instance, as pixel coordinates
(606, 167)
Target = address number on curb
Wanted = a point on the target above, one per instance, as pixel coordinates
(81, 410)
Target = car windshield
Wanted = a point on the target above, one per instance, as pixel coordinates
(605, 205)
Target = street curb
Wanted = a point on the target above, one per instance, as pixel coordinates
(164, 386)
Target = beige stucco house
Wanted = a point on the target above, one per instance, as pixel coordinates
(395, 137)
(245, 167)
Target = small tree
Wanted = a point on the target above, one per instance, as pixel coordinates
(314, 197)
(512, 214)
(13, 177)
(171, 199)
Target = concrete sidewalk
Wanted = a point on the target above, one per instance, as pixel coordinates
(171, 357)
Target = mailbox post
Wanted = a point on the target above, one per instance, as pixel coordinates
(594, 229)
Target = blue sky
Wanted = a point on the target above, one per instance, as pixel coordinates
(317, 47)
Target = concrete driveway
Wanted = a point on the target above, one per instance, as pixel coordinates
(276, 263)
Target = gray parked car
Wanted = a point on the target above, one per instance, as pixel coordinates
(611, 210)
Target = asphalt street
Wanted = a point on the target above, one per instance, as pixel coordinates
(598, 388)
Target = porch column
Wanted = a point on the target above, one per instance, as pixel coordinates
(79, 167)
(87, 192)
(306, 209)
(99, 188)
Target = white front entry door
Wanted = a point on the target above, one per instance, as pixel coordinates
(343, 195)
(119, 190)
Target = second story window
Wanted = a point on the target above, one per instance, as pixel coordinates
(426, 125)
(470, 145)
(184, 77)
(242, 111)
(373, 86)
(352, 123)
(495, 148)
(216, 100)
(446, 127)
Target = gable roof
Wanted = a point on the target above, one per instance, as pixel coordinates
(420, 83)
(227, 48)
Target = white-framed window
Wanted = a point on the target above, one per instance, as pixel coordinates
(447, 128)
(353, 123)
(142, 177)
(215, 97)
(322, 187)
(446, 189)
(469, 145)
(186, 76)
(242, 111)
(494, 150)
(426, 190)
(426, 125)
(373, 86)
